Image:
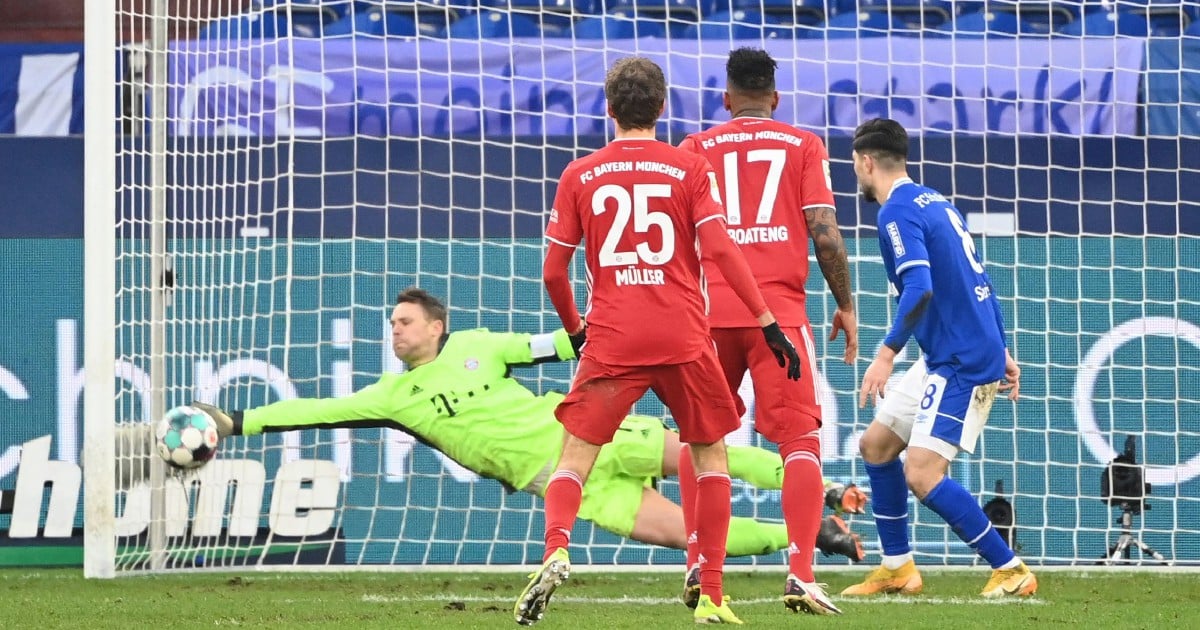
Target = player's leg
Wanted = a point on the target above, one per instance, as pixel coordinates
(618, 498)
(788, 413)
(712, 517)
(880, 447)
(564, 491)
(613, 498)
(952, 415)
(763, 469)
(590, 413)
(733, 368)
(705, 412)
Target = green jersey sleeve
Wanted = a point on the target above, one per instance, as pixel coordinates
(373, 405)
(525, 349)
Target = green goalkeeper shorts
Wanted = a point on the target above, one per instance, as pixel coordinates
(625, 467)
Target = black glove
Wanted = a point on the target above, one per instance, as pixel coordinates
(577, 341)
(225, 423)
(783, 350)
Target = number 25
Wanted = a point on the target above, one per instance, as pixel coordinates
(643, 220)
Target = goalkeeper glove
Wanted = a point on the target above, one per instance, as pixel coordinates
(783, 349)
(578, 339)
(224, 422)
(845, 498)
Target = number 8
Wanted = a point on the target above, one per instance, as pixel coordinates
(927, 399)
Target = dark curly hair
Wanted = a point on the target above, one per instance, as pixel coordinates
(751, 70)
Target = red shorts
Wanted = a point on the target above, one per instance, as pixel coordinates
(783, 409)
(602, 395)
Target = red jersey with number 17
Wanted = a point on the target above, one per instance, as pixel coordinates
(769, 174)
(637, 203)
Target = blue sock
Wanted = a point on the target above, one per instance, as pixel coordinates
(889, 502)
(958, 508)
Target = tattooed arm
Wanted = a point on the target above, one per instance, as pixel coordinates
(830, 249)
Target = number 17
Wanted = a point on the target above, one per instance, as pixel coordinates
(766, 206)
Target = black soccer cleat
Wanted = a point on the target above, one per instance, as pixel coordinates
(835, 538)
(691, 588)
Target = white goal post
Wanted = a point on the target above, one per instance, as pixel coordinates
(254, 204)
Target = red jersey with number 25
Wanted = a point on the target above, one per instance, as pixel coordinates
(769, 173)
(637, 204)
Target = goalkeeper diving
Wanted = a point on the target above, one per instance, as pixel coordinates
(458, 396)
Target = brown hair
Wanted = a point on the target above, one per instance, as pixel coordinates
(636, 90)
(433, 307)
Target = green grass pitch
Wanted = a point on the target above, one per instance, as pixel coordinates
(591, 599)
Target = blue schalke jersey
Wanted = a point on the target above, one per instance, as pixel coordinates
(961, 328)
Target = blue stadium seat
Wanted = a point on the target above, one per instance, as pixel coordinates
(1040, 17)
(1166, 18)
(735, 25)
(987, 24)
(432, 17)
(308, 18)
(555, 16)
(618, 25)
(915, 14)
(1108, 24)
(860, 24)
(487, 24)
(678, 14)
(798, 12)
(1193, 30)
(375, 22)
(256, 25)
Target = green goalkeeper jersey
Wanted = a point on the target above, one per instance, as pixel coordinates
(464, 403)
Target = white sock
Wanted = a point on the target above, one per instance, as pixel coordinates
(1011, 564)
(891, 563)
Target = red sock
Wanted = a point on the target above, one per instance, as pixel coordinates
(564, 493)
(803, 501)
(712, 530)
(687, 498)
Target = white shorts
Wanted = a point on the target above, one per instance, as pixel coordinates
(935, 412)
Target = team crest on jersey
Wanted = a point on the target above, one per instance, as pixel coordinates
(471, 364)
(894, 233)
(553, 215)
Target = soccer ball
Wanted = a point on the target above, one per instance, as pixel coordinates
(186, 438)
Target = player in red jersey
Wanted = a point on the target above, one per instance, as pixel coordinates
(776, 188)
(645, 209)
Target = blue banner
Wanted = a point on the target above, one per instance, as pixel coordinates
(341, 87)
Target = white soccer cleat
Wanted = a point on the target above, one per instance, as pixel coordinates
(808, 597)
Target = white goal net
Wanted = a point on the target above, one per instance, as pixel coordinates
(283, 169)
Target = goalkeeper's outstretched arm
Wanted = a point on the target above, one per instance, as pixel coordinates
(366, 408)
